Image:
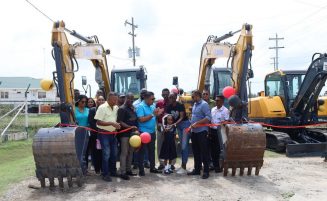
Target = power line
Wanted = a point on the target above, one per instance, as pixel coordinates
(40, 11)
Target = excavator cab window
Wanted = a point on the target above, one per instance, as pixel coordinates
(274, 86)
(294, 83)
(125, 82)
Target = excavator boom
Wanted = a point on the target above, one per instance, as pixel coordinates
(59, 151)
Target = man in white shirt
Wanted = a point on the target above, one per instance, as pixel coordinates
(219, 114)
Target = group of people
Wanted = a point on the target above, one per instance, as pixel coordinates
(162, 120)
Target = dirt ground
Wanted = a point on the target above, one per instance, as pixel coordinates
(280, 178)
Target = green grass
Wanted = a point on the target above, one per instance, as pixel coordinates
(16, 158)
(16, 162)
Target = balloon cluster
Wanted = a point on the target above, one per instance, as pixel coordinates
(136, 141)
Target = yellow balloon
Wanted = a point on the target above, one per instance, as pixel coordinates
(46, 84)
(135, 141)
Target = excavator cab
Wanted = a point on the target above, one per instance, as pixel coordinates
(219, 79)
(285, 84)
(128, 80)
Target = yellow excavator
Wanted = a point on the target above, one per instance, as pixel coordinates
(242, 143)
(290, 102)
(59, 151)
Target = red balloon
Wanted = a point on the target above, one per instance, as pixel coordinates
(228, 91)
(174, 90)
(145, 138)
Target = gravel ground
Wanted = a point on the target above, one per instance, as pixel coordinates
(280, 178)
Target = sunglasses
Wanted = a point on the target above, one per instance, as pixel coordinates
(205, 94)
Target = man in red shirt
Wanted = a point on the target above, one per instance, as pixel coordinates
(162, 104)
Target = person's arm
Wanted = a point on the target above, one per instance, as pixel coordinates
(182, 114)
(141, 115)
(121, 117)
(207, 119)
(226, 114)
(99, 116)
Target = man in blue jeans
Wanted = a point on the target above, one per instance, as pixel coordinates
(177, 110)
(146, 114)
(106, 117)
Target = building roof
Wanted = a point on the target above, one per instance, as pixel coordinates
(19, 83)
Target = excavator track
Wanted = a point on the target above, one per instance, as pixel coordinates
(244, 146)
(58, 154)
(301, 142)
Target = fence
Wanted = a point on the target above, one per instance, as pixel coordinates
(17, 123)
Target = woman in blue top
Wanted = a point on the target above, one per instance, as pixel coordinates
(81, 111)
(81, 116)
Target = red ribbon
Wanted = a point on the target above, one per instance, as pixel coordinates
(262, 123)
(101, 132)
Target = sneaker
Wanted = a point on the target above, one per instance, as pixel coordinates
(167, 171)
(155, 171)
(124, 176)
(172, 167)
(170, 170)
(135, 167)
(107, 178)
(161, 167)
(181, 171)
(130, 173)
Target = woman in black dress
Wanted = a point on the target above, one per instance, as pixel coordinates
(168, 149)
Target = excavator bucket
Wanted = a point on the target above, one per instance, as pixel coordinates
(243, 147)
(59, 153)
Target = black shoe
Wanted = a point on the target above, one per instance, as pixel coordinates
(205, 175)
(141, 173)
(114, 174)
(130, 173)
(193, 173)
(172, 167)
(211, 168)
(218, 170)
(107, 178)
(161, 167)
(146, 165)
(124, 176)
(155, 171)
(135, 167)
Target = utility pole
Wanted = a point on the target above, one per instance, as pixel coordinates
(133, 37)
(273, 58)
(276, 48)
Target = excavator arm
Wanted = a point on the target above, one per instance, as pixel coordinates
(65, 56)
(59, 151)
(304, 108)
(240, 55)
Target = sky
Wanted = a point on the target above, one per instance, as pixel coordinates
(170, 35)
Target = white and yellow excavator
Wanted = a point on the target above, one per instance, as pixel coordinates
(242, 143)
(58, 151)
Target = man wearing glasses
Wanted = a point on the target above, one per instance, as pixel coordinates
(206, 98)
(146, 114)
